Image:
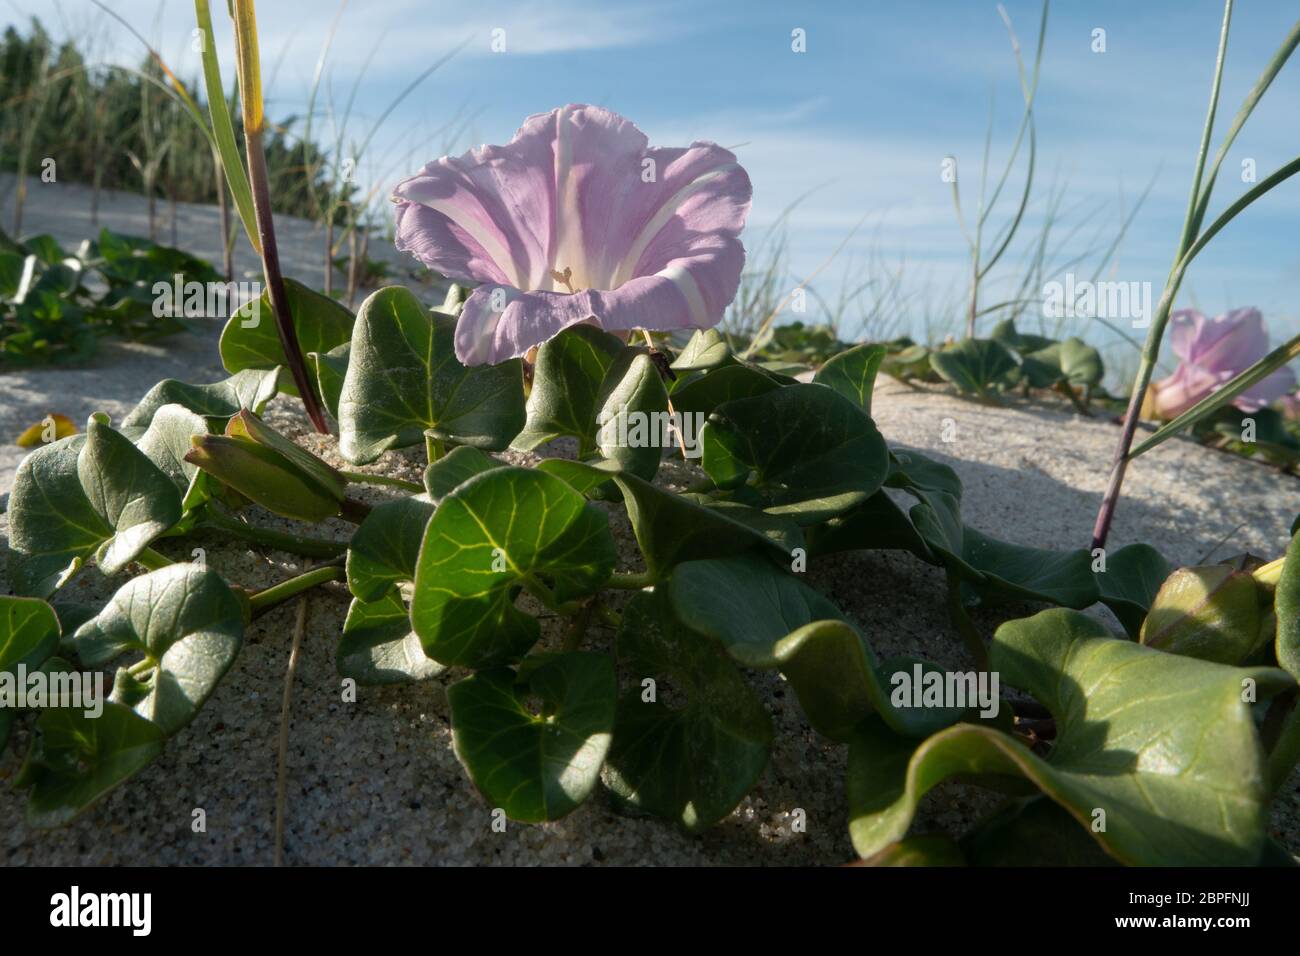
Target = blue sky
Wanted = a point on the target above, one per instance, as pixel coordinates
(863, 118)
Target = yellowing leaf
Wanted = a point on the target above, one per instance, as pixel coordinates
(49, 429)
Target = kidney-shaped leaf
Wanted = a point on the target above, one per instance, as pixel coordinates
(692, 763)
(536, 766)
(94, 493)
(503, 529)
(1159, 752)
(671, 528)
(75, 759)
(386, 546)
(978, 366)
(852, 373)
(251, 339)
(566, 387)
(766, 618)
(403, 380)
(217, 402)
(378, 645)
(1130, 581)
(809, 451)
(185, 622)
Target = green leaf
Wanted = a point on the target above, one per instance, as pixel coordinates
(503, 529)
(167, 441)
(386, 546)
(877, 523)
(1081, 363)
(931, 849)
(1034, 574)
(1215, 613)
(53, 527)
(330, 369)
(566, 391)
(853, 373)
(976, 366)
(456, 467)
(378, 645)
(1033, 832)
(93, 493)
(708, 391)
(809, 451)
(136, 499)
(403, 381)
(632, 388)
(765, 618)
(692, 763)
(75, 760)
(1164, 745)
(706, 350)
(1130, 582)
(1286, 604)
(252, 340)
(1005, 333)
(217, 402)
(671, 528)
(29, 634)
(185, 622)
(536, 766)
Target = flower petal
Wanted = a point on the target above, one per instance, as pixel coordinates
(498, 322)
(487, 215)
(1265, 393)
(1180, 391)
(1232, 342)
(1185, 326)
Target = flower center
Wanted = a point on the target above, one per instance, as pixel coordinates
(566, 277)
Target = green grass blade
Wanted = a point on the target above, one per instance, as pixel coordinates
(223, 131)
(1247, 107)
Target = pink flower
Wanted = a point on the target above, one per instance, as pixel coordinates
(1213, 351)
(578, 219)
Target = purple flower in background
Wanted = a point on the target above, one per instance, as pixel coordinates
(578, 219)
(1212, 352)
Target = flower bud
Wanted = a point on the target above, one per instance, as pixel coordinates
(272, 471)
(1214, 613)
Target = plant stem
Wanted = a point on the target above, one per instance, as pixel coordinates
(282, 755)
(278, 540)
(547, 597)
(1151, 349)
(362, 478)
(962, 622)
(578, 627)
(250, 92)
(152, 560)
(433, 448)
(634, 581)
(263, 601)
(608, 615)
(141, 666)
